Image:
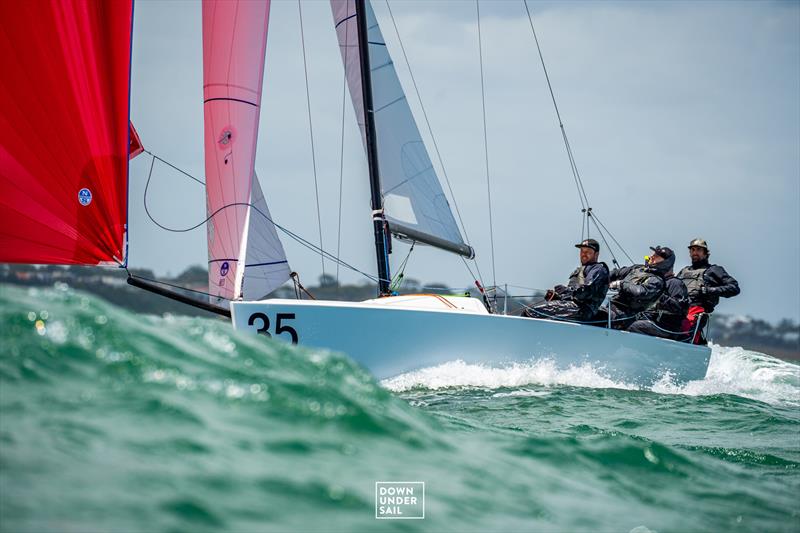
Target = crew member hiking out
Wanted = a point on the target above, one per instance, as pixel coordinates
(637, 286)
(706, 284)
(664, 316)
(585, 291)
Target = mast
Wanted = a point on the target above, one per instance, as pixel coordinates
(378, 217)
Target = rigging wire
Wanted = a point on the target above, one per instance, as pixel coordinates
(314, 248)
(573, 167)
(311, 132)
(397, 279)
(597, 220)
(486, 142)
(586, 209)
(432, 136)
(151, 154)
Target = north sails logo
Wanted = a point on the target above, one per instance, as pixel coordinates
(225, 137)
(85, 196)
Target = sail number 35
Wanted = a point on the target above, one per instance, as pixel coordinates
(280, 326)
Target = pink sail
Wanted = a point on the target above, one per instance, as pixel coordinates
(234, 46)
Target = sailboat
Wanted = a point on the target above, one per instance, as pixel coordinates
(63, 195)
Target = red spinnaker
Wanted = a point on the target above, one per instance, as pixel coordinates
(64, 147)
(135, 146)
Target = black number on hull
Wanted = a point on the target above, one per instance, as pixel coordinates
(263, 330)
(279, 327)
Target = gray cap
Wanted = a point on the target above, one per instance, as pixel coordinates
(700, 243)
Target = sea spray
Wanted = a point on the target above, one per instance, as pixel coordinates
(116, 421)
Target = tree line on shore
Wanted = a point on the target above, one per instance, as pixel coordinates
(781, 339)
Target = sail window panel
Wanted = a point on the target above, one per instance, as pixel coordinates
(405, 167)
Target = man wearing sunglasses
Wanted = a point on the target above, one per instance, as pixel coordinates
(664, 316)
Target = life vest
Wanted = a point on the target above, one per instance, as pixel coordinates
(577, 278)
(694, 281)
(639, 276)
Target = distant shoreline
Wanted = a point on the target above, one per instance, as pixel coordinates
(780, 340)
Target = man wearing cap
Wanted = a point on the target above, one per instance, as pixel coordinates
(706, 284)
(638, 287)
(664, 316)
(585, 290)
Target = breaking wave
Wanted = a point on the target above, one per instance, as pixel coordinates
(734, 371)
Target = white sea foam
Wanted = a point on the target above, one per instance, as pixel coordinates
(540, 372)
(731, 371)
(742, 373)
(520, 392)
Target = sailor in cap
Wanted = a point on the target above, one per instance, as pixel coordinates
(586, 289)
(706, 284)
(664, 316)
(638, 289)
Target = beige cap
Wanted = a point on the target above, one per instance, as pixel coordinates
(700, 243)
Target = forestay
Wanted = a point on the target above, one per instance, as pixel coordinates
(414, 203)
(245, 256)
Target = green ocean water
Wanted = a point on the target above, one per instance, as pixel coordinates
(112, 421)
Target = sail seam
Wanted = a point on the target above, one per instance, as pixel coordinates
(344, 20)
(267, 264)
(231, 100)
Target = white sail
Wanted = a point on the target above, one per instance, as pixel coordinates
(266, 267)
(413, 198)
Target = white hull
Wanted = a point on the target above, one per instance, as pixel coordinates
(391, 340)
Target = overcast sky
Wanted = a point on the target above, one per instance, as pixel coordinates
(684, 118)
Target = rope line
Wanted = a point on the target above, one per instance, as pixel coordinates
(586, 210)
(486, 141)
(314, 248)
(311, 132)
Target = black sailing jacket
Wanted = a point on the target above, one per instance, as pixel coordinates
(587, 286)
(717, 282)
(641, 286)
(671, 307)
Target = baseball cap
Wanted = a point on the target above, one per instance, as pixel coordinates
(589, 243)
(663, 251)
(700, 243)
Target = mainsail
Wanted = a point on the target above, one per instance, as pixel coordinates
(245, 256)
(65, 88)
(414, 203)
